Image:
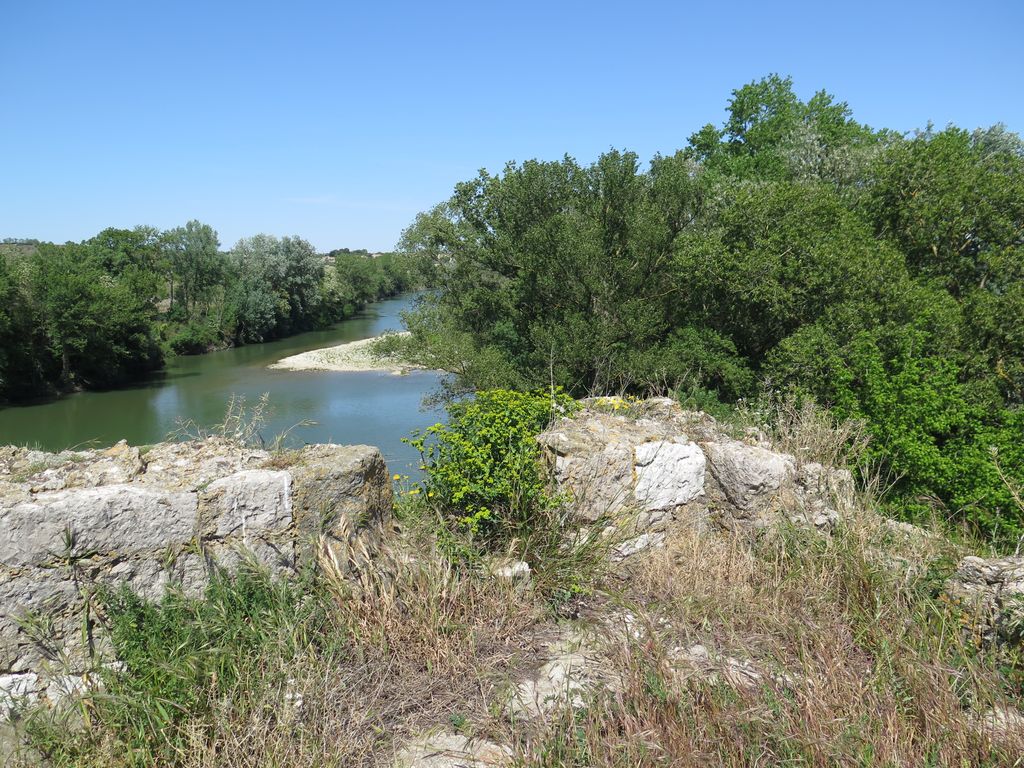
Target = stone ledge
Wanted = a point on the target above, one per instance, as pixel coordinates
(161, 516)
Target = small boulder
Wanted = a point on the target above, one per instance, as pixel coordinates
(993, 590)
(637, 544)
(749, 475)
(451, 750)
(817, 495)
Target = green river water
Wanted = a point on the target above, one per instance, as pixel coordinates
(376, 408)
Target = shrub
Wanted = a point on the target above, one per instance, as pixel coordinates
(193, 339)
(483, 466)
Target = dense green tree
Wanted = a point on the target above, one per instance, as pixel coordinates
(24, 362)
(275, 278)
(98, 326)
(770, 258)
(195, 265)
(954, 204)
(252, 307)
(794, 246)
(556, 266)
(771, 135)
(118, 250)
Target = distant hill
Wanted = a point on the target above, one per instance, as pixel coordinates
(11, 246)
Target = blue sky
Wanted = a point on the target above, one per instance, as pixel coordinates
(339, 122)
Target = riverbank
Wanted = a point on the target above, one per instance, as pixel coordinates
(353, 356)
(376, 409)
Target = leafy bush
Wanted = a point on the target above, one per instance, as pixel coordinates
(193, 339)
(483, 466)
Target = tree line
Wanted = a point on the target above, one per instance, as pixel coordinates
(791, 249)
(107, 311)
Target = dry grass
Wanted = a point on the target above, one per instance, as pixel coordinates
(804, 429)
(416, 643)
(860, 665)
(428, 644)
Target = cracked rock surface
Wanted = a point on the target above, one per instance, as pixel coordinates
(651, 463)
(160, 516)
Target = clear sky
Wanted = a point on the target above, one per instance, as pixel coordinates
(339, 121)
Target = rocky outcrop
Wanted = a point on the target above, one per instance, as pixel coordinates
(611, 463)
(71, 523)
(993, 592)
(748, 475)
(653, 462)
(755, 484)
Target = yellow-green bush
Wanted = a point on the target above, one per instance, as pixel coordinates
(483, 467)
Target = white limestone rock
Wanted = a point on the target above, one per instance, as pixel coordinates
(16, 691)
(71, 522)
(668, 474)
(252, 501)
(748, 475)
(571, 668)
(103, 520)
(638, 544)
(451, 750)
(614, 464)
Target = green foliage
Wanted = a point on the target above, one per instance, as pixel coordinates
(180, 656)
(558, 269)
(98, 326)
(771, 135)
(278, 290)
(774, 257)
(696, 358)
(194, 339)
(883, 275)
(194, 265)
(103, 312)
(954, 203)
(25, 362)
(483, 467)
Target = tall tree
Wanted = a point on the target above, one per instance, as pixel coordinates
(195, 264)
(99, 327)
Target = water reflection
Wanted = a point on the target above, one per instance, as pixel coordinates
(376, 408)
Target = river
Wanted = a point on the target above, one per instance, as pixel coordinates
(376, 407)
